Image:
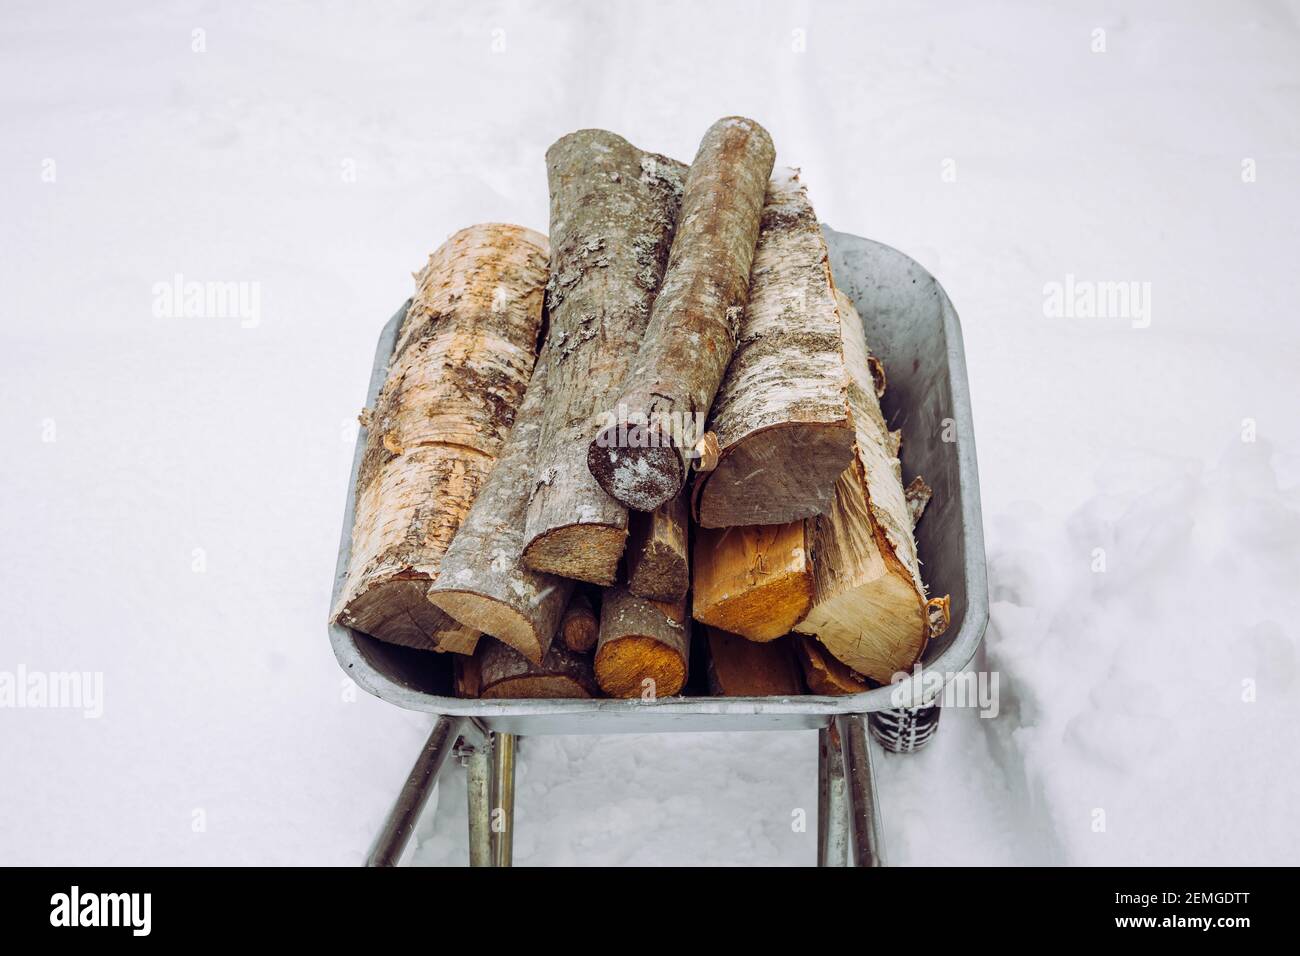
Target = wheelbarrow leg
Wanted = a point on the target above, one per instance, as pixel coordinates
(478, 785)
(400, 825)
(503, 799)
(865, 829)
(832, 809)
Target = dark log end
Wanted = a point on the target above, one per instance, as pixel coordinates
(661, 575)
(642, 478)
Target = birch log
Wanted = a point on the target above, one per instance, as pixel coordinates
(613, 210)
(644, 648)
(755, 581)
(781, 417)
(463, 358)
(694, 322)
(658, 567)
(580, 625)
(505, 673)
(483, 582)
(869, 606)
(741, 668)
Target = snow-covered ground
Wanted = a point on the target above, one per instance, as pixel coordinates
(172, 487)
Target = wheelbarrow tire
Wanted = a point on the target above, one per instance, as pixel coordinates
(906, 729)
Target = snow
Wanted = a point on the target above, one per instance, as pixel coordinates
(174, 482)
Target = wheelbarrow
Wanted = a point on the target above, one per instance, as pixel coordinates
(912, 327)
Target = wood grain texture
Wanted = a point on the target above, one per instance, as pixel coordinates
(463, 359)
(613, 211)
(695, 319)
(781, 416)
(755, 581)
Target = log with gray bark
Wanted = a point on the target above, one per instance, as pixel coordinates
(644, 646)
(658, 566)
(781, 417)
(613, 211)
(463, 358)
(642, 458)
(505, 673)
(483, 582)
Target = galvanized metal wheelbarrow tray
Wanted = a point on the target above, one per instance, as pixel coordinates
(912, 327)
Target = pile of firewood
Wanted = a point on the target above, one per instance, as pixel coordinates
(666, 414)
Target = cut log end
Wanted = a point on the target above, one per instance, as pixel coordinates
(754, 482)
(641, 478)
(583, 552)
(661, 575)
(764, 612)
(626, 664)
(756, 582)
(399, 611)
(492, 617)
(658, 567)
(644, 647)
(823, 673)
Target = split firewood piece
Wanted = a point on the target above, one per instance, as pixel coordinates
(781, 416)
(658, 567)
(464, 355)
(869, 605)
(755, 581)
(613, 211)
(823, 673)
(644, 648)
(505, 673)
(580, 625)
(642, 459)
(742, 668)
(483, 581)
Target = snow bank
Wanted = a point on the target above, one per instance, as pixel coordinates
(1149, 664)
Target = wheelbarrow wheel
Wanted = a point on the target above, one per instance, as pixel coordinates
(906, 729)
